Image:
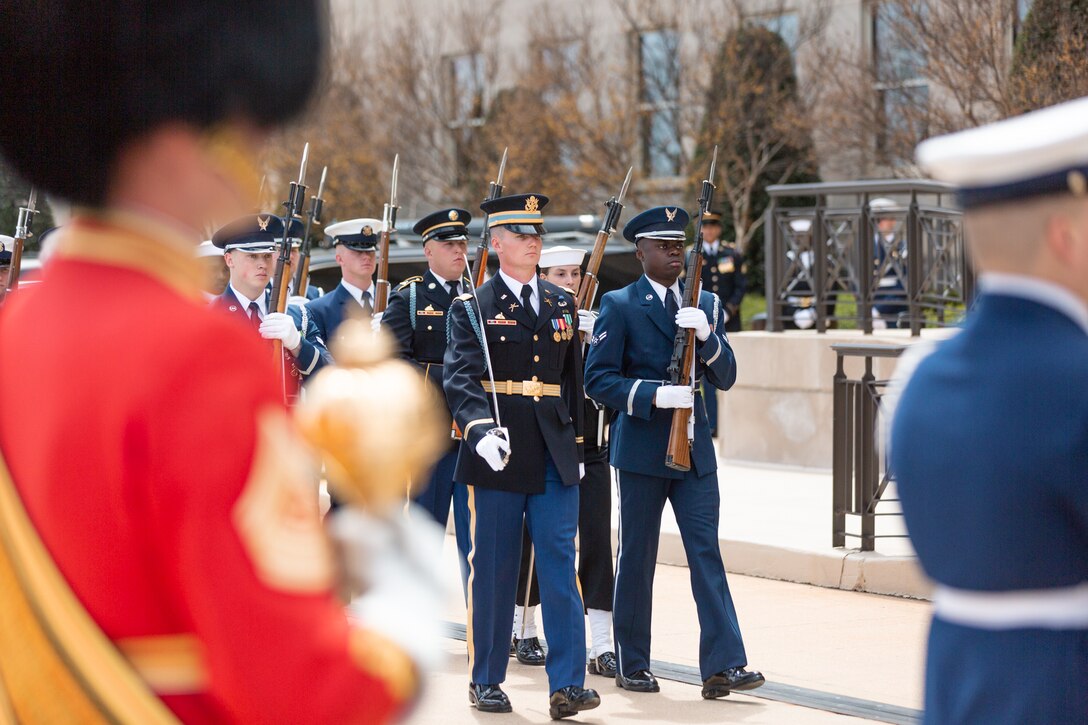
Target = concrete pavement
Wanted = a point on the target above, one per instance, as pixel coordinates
(825, 648)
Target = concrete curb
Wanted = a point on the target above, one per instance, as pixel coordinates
(847, 569)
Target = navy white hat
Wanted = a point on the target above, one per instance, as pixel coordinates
(6, 243)
(1036, 154)
(444, 225)
(801, 226)
(661, 222)
(561, 257)
(254, 234)
(360, 235)
(208, 249)
(520, 213)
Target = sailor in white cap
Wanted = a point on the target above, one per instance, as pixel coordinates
(356, 245)
(800, 297)
(990, 438)
(216, 272)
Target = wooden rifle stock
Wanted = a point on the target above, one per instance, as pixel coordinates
(678, 452)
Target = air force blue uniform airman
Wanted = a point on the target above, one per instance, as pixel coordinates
(990, 438)
(626, 370)
(536, 363)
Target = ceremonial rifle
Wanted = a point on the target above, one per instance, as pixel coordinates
(682, 364)
(301, 279)
(587, 292)
(22, 233)
(494, 191)
(292, 207)
(389, 223)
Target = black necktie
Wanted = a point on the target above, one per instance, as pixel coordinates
(671, 307)
(453, 289)
(365, 302)
(527, 302)
(255, 315)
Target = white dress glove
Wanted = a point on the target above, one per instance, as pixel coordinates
(586, 319)
(280, 326)
(675, 396)
(692, 318)
(726, 317)
(581, 471)
(494, 448)
(392, 563)
(376, 321)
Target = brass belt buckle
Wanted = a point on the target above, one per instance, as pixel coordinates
(534, 388)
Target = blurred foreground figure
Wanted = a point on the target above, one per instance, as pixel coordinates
(990, 438)
(161, 552)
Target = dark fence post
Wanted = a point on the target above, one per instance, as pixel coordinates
(914, 266)
(840, 471)
(819, 265)
(771, 271)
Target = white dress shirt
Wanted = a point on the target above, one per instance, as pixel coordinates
(515, 287)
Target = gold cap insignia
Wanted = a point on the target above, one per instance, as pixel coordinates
(670, 215)
(368, 230)
(1078, 185)
(453, 215)
(263, 223)
(532, 204)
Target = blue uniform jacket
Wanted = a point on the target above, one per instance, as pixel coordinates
(312, 355)
(628, 361)
(990, 450)
(329, 310)
(520, 351)
(416, 316)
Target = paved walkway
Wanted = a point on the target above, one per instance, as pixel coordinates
(812, 640)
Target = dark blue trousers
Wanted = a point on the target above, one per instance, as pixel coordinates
(710, 400)
(441, 491)
(495, 522)
(695, 502)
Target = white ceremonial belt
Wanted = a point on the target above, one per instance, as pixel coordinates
(1057, 608)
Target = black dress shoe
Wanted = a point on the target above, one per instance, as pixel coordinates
(639, 681)
(733, 679)
(571, 700)
(489, 698)
(603, 664)
(529, 652)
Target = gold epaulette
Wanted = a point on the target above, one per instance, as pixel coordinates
(409, 281)
(569, 291)
(465, 297)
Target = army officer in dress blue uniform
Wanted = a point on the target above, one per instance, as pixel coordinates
(990, 438)
(356, 243)
(417, 314)
(724, 275)
(626, 370)
(249, 247)
(527, 472)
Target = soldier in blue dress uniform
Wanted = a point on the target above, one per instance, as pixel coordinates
(990, 438)
(627, 370)
(417, 314)
(528, 471)
(356, 244)
(724, 275)
(249, 247)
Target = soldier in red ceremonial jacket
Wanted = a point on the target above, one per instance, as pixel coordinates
(144, 439)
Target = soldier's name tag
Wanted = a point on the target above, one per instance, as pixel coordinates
(502, 322)
(430, 313)
(726, 266)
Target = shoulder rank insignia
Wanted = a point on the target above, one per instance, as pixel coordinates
(409, 281)
(569, 291)
(465, 297)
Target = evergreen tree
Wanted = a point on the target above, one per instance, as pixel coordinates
(1049, 62)
(763, 132)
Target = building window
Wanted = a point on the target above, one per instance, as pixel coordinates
(659, 97)
(466, 90)
(902, 90)
(785, 25)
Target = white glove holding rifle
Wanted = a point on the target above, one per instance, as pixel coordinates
(495, 448)
(692, 318)
(280, 326)
(586, 320)
(674, 396)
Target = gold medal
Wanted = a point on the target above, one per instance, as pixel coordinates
(556, 336)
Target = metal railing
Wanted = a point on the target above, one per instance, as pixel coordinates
(860, 473)
(902, 265)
